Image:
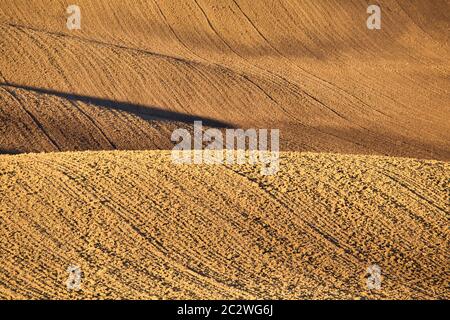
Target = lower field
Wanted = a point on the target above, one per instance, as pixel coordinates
(139, 226)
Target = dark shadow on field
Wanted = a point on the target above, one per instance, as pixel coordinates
(143, 111)
(4, 151)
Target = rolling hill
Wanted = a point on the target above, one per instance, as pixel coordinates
(139, 226)
(138, 69)
(87, 181)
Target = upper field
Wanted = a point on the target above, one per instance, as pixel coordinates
(138, 69)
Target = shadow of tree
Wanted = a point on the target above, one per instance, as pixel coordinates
(143, 111)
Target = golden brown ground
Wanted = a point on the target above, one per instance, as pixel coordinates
(142, 227)
(310, 68)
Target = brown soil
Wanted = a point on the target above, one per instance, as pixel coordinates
(139, 226)
(137, 69)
